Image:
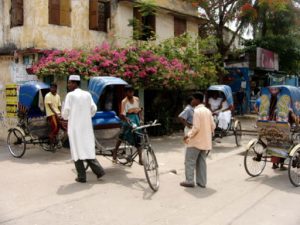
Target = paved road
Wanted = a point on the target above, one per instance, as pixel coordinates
(40, 189)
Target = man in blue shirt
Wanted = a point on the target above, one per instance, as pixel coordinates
(186, 116)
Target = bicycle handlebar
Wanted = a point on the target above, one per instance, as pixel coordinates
(154, 124)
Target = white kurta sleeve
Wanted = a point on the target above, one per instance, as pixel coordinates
(93, 107)
(66, 108)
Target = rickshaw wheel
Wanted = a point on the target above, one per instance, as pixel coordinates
(255, 160)
(124, 155)
(294, 168)
(16, 143)
(237, 130)
(151, 168)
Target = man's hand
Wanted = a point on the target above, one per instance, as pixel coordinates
(186, 139)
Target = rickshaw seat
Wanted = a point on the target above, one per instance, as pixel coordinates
(274, 131)
(106, 120)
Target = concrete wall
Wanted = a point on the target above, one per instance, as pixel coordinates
(1, 24)
(122, 31)
(178, 6)
(164, 20)
(37, 33)
(5, 78)
(164, 26)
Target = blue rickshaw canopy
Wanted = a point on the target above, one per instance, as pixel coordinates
(225, 89)
(288, 98)
(98, 84)
(29, 90)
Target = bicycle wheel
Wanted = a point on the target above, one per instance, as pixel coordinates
(16, 143)
(255, 160)
(124, 155)
(294, 168)
(151, 168)
(237, 130)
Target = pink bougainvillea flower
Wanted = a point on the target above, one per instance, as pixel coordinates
(142, 74)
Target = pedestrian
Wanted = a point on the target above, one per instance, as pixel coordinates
(240, 97)
(186, 116)
(78, 109)
(53, 113)
(130, 115)
(199, 141)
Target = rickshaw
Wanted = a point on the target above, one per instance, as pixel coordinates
(107, 93)
(278, 132)
(32, 127)
(234, 127)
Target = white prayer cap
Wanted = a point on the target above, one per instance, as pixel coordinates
(74, 77)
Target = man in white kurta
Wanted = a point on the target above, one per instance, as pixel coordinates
(78, 109)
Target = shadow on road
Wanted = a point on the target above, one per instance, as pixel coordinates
(200, 192)
(73, 188)
(118, 175)
(36, 155)
(277, 181)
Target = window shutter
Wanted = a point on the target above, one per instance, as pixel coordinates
(179, 26)
(93, 15)
(65, 13)
(17, 13)
(54, 12)
(101, 16)
(13, 21)
(107, 15)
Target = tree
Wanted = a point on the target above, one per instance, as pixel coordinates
(218, 14)
(277, 28)
(274, 17)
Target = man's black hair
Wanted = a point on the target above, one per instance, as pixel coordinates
(199, 96)
(53, 85)
(188, 100)
(129, 88)
(76, 82)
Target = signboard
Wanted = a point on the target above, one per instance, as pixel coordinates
(266, 59)
(19, 74)
(11, 93)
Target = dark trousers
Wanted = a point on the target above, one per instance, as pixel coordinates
(93, 164)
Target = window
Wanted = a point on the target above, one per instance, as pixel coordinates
(60, 12)
(144, 26)
(179, 26)
(99, 15)
(16, 13)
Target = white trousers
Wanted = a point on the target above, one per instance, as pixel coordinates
(224, 119)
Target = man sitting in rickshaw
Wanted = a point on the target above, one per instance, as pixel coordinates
(214, 102)
(221, 109)
(224, 116)
(130, 115)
